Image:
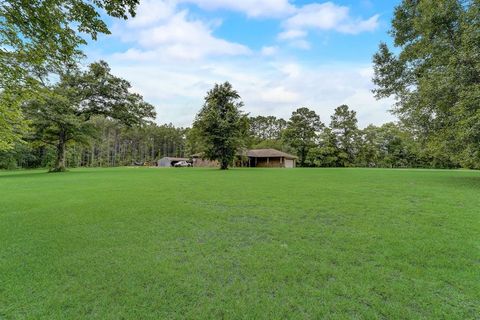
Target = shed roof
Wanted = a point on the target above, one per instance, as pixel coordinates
(269, 153)
(174, 159)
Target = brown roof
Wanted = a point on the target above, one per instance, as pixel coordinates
(269, 153)
(258, 153)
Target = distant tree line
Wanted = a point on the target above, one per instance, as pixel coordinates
(111, 144)
(340, 143)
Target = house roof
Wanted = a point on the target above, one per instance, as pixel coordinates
(268, 153)
(258, 153)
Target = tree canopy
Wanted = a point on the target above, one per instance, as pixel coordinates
(39, 38)
(344, 125)
(61, 112)
(435, 76)
(221, 124)
(302, 131)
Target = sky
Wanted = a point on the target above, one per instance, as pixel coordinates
(278, 54)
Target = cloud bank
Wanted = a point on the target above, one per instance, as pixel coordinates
(173, 57)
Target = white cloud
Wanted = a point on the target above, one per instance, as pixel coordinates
(172, 35)
(267, 87)
(300, 44)
(269, 50)
(279, 95)
(173, 59)
(325, 17)
(292, 70)
(291, 34)
(252, 8)
(186, 39)
(359, 25)
(152, 11)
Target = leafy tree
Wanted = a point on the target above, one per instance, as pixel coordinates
(194, 142)
(391, 146)
(62, 112)
(302, 132)
(43, 35)
(266, 132)
(37, 38)
(435, 77)
(369, 153)
(267, 128)
(327, 153)
(344, 125)
(221, 124)
(12, 126)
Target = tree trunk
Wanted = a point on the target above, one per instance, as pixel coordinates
(224, 165)
(60, 160)
(303, 155)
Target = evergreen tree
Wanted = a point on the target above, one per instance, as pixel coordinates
(344, 125)
(221, 125)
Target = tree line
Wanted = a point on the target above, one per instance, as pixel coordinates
(101, 141)
(220, 130)
(54, 113)
(341, 143)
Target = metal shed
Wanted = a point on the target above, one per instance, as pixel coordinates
(169, 161)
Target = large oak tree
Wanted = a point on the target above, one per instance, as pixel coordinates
(62, 112)
(37, 39)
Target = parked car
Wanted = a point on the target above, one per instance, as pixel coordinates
(182, 164)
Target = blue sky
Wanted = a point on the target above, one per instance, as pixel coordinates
(278, 54)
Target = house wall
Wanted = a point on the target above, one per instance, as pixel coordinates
(289, 163)
(271, 163)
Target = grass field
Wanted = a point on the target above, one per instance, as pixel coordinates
(143, 243)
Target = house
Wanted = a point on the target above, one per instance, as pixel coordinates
(262, 158)
(170, 161)
(269, 158)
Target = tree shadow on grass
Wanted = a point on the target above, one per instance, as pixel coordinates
(35, 173)
(462, 182)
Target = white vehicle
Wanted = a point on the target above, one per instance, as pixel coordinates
(182, 164)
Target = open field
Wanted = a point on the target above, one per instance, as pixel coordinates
(141, 243)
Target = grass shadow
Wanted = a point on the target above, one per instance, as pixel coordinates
(462, 182)
(35, 172)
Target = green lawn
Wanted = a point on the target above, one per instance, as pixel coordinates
(144, 243)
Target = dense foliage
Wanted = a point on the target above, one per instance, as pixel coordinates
(435, 77)
(37, 40)
(112, 144)
(221, 126)
(302, 132)
(39, 37)
(61, 113)
(109, 142)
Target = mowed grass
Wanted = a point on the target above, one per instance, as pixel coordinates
(144, 243)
